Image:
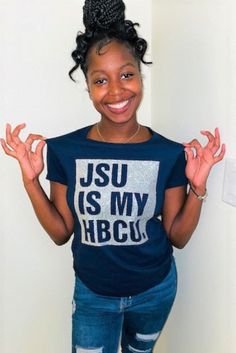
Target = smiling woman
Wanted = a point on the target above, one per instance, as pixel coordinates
(110, 57)
(121, 189)
(115, 87)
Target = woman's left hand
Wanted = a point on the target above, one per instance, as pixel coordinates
(200, 159)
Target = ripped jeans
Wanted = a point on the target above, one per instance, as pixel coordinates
(100, 323)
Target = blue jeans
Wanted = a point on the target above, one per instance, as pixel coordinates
(100, 323)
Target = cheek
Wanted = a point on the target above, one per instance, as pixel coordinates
(138, 86)
(90, 88)
(140, 91)
(96, 101)
(92, 93)
(95, 98)
(97, 94)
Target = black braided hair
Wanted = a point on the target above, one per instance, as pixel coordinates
(103, 14)
(104, 20)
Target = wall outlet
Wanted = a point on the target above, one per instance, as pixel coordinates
(229, 190)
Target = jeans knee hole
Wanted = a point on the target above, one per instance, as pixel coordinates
(134, 350)
(147, 337)
(89, 350)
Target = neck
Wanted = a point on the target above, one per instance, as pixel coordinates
(114, 132)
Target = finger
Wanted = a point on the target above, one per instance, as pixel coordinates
(189, 153)
(31, 138)
(16, 132)
(211, 139)
(221, 155)
(192, 143)
(39, 149)
(195, 144)
(217, 140)
(6, 149)
(217, 134)
(9, 135)
(214, 140)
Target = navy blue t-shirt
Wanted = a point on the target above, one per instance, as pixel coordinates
(116, 193)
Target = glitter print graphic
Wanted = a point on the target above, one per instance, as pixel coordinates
(114, 200)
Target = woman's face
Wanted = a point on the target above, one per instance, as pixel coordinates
(114, 82)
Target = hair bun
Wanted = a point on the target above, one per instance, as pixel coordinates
(102, 14)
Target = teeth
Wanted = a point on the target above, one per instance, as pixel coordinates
(118, 105)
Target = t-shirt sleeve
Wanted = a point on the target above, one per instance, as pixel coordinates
(55, 171)
(177, 176)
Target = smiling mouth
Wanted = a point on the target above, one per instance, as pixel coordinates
(119, 107)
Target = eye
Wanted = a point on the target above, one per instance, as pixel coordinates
(100, 81)
(127, 75)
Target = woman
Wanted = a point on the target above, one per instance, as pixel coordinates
(121, 189)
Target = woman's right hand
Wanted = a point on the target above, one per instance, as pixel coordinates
(31, 162)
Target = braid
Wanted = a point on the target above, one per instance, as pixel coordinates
(102, 14)
(105, 21)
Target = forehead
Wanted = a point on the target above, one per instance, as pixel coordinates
(112, 54)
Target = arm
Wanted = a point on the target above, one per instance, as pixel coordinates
(53, 214)
(181, 212)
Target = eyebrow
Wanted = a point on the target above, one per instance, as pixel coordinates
(122, 67)
(127, 64)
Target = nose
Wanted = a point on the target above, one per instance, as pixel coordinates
(115, 87)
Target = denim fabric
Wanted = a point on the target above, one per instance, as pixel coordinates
(100, 323)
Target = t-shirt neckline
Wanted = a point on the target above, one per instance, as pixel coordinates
(118, 144)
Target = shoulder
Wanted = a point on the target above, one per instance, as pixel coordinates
(68, 138)
(167, 144)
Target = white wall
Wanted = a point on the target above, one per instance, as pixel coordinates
(36, 39)
(194, 88)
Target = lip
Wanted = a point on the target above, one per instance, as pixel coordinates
(119, 107)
